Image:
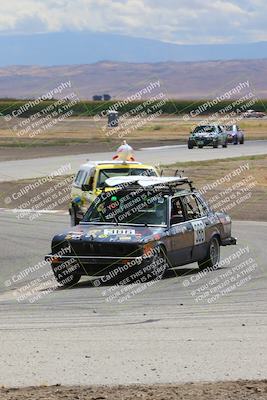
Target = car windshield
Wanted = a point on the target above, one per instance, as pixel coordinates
(136, 207)
(204, 128)
(110, 173)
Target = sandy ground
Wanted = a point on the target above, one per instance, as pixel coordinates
(253, 208)
(240, 390)
(250, 208)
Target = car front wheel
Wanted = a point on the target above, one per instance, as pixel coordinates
(158, 265)
(190, 145)
(73, 217)
(213, 256)
(235, 139)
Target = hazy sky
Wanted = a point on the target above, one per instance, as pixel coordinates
(178, 21)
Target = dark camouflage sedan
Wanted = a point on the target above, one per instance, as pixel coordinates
(143, 220)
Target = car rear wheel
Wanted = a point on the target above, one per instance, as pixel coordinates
(242, 140)
(215, 145)
(213, 256)
(224, 145)
(200, 146)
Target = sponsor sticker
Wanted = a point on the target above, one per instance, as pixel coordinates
(73, 235)
(125, 238)
(199, 232)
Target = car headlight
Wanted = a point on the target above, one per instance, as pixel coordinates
(148, 247)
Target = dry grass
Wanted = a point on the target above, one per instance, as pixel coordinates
(82, 130)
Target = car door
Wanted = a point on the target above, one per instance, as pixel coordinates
(79, 197)
(76, 192)
(181, 234)
(210, 220)
(88, 193)
(197, 215)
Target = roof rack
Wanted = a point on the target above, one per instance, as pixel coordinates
(118, 162)
(147, 182)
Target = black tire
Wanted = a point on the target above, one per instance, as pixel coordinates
(163, 254)
(73, 217)
(159, 265)
(200, 146)
(67, 280)
(225, 145)
(190, 145)
(215, 145)
(242, 140)
(213, 256)
(235, 140)
(153, 268)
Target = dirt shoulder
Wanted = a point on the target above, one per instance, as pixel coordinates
(51, 148)
(237, 186)
(239, 390)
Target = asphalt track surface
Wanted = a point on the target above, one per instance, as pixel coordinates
(163, 334)
(24, 169)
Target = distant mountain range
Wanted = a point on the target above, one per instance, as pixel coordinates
(181, 80)
(65, 48)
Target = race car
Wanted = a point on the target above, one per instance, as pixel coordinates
(234, 134)
(207, 135)
(90, 181)
(91, 176)
(253, 114)
(143, 221)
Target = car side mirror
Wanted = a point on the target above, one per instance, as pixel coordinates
(88, 186)
(85, 187)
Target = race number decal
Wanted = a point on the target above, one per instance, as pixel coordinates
(199, 232)
(119, 231)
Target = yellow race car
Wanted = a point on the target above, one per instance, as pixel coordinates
(89, 182)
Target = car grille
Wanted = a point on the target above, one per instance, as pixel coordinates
(79, 248)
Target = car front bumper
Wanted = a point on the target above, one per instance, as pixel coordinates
(90, 260)
(229, 241)
(203, 141)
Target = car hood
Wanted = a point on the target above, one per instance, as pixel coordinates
(111, 233)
